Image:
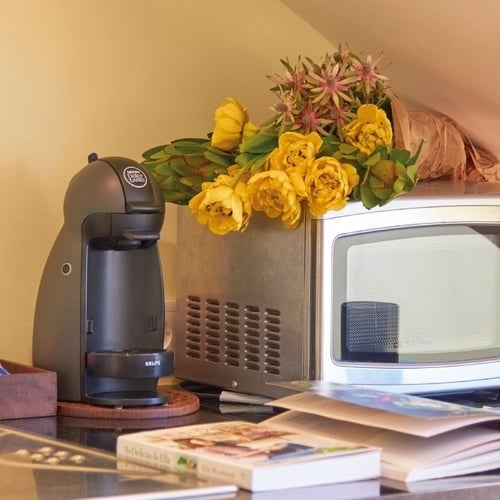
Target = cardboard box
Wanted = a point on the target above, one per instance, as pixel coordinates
(27, 392)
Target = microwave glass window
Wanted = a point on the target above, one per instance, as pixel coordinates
(417, 295)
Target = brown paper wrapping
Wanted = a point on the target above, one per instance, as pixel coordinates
(447, 151)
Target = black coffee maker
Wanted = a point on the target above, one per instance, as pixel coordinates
(100, 313)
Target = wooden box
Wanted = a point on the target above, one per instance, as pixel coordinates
(27, 392)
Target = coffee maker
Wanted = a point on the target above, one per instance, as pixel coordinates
(100, 313)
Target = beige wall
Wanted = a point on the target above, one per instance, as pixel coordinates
(114, 77)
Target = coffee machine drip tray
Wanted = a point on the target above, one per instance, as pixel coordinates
(127, 377)
(120, 399)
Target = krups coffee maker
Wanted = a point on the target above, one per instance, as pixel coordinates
(100, 312)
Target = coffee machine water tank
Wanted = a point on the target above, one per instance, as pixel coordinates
(100, 312)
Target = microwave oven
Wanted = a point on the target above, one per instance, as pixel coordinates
(404, 297)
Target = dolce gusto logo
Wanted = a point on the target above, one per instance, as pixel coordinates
(135, 177)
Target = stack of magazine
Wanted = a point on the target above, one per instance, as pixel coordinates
(330, 433)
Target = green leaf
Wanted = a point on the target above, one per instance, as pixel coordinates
(184, 149)
(400, 186)
(414, 158)
(408, 174)
(367, 197)
(329, 149)
(260, 143)
(182, 169)
(348, 149)
(383, 194)
(373, 159)
(340, 157)
(177, 198)
(151, 152)
(212, 171)
(244, 159)
(221, 152)
(226, 160)
(259, 161)
(158, 156)
(401, 155)
(255, 160)
(412, 172)
(195, 180)
(401, 169)
(375, 183)
(191, 140)
(163, 169)
(169, 183)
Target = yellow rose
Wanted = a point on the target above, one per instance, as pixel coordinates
(295, 155)
(230, 119)
(329, 184)
(249, 130)
(272, 192)
(222, 207)
(370, 130)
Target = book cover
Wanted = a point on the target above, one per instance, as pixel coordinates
(256, 457)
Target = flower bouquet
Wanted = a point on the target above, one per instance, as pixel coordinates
(330, 140)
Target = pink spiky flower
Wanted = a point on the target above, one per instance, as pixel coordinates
(311, 119)
(331, 83)
(369, 73)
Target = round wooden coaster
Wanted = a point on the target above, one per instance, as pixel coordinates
(124, 424)
(180, 403)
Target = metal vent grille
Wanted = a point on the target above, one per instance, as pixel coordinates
(230, 334)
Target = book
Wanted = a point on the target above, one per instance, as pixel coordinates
(353, 490)
(252, 456)
(421, 438)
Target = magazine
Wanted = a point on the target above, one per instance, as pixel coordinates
(255, 457)
(420, 438)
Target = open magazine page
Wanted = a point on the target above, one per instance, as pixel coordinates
(382, 413)
(407, 457)
(394, 402)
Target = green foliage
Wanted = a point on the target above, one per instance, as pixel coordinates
(386, 174)
(183, 165)
(260, 143)
(255, 150)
